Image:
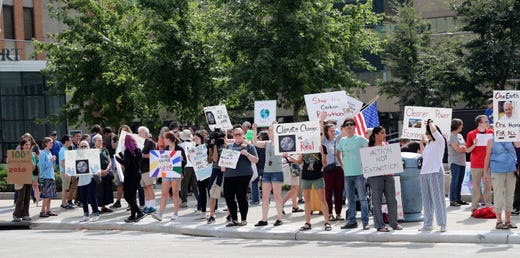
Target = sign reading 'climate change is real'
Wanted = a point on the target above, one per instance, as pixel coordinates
(297, 137)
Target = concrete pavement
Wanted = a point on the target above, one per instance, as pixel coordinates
(461, 227)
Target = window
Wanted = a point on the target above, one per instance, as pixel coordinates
(28, 23)
(7, 12)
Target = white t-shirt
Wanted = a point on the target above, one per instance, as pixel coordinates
(432, 155)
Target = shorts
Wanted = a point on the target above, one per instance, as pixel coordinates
(47, 188)
(307, 184)
(288, 178)
(118, 181)
(216, 190)
(36, 171)
(168, 179)
(272, 177)
(65, 181)
(146, 180)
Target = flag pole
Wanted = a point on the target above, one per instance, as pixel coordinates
(370, 103)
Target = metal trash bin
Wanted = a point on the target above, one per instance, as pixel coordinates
(411, 186)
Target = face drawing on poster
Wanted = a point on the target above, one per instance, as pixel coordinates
(211, 118)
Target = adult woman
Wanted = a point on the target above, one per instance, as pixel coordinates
(272, 178)
(432, 178)
(172, 144)
(500, 167)
(457, 161)
(237, 180)
(216, 181)
(160, 138)
(332, 173)
(48, 186)
(104, 192)
(255, 192)
(87, 190)
(36, 172)
(21, 211)
(382, 185)
(119, 182)
(202, 185)
(131, 159)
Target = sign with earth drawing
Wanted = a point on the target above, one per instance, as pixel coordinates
(265, 112)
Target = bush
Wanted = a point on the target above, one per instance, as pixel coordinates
(4, 186)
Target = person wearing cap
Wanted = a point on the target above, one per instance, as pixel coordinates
(189, 179)
(56, 146)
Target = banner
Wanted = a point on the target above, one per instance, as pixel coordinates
(198, 157)
(82, 162)
(414, 121)
(506, 116)
(165, 163)
(297, 138)
(381, 160)
(19, 167)
(336, 104)
(217, 117)
(229, 158)
(265, 112)
(121, 148)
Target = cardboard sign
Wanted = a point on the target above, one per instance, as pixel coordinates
(82, 162)
(265, 112)
(414, 121)
(217, 117)
(121, 148)
(198, 157)
(333, 103)
(164, 163)
(297, 138)
(381, 160)
(19, 167)
(506, 115)
(229, 158)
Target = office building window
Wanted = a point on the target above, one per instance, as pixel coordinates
(7, 12)
(28, 23)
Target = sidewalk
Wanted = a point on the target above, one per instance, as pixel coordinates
(461, 227)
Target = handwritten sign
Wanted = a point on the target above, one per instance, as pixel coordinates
(198, 157)
(19, 167)
(82, 162)
(165, 164)
(297, 138)
(381, 160)
(506, 108)
(336, 104)
(414, 121)
(121, 148)
(217, 117)
(265, 112)
(229, 158)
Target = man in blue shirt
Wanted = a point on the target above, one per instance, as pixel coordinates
(56, 146)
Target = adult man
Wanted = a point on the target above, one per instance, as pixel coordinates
(65, 179)
(189, 179)
(147, 182)
(476, 145)
(56, 145)
(508, 111)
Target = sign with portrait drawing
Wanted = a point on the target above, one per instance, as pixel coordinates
(506, 118)
(414, 121)
(82, 162)
(217, 117)
(301, 137)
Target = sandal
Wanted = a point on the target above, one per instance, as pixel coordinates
(306, 227)
(50, 213)
(383, 230)
(232, 223)
(332, 218)
(508, 224)
(500, 225)
(297, 209)
(327, 226)
(398, 227)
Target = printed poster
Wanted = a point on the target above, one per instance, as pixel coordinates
(414, 121)
(336, 104)
(19, 167)
(381, 160)
(165, 163)
(301, 138)
(82, 162)
(265, 112)
(229, 158)
(198, 157)
(121, 148)
(217, 117)
(506, 118)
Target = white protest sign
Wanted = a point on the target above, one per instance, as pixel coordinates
(333, 103)
(217, 117)
(297, 138)
(414, 121)
(482, 139)
(121, 148)
(381, 160)
(82, 162)
(265, 112)
(229, 158)
(198, 157)
(353, 107)
(506, 117)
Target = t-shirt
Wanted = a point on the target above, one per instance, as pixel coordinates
(273, 163)
(56, 148)
(61, 157)
(145, 162)
(432, 155)
(350, 146)
(503, 157)
(458, 158)
(478, 154)
(243, 167)
(312, 166)
(330, 146)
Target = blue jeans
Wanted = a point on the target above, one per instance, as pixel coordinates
(255, 193)
(353, 183)
(457, 176)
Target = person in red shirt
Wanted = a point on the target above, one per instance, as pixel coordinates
(476, 145)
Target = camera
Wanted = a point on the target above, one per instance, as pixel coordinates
(217, 137)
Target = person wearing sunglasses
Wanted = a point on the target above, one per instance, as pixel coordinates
(87, 190)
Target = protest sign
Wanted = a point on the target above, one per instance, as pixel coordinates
(19, 167)
(229, 158)
(217, 117)
(165, 163)
(381, 160)
(301, 137)
(82, 162)
(121, 148)
(506, 117)
(414, 121)
(265, 112)
(198, 157)
(336, 104)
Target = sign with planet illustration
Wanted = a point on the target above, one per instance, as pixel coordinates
(82, 162)
(301, 137)
(265, 112)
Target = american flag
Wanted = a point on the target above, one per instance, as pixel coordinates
(367, 118)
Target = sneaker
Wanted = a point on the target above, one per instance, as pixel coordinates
(116, 205)
(130, 219)
(184, 205)
(278, 223)
(198, 212)
(105, 209)
(146, 210)
(201, 216)
(232, 223)
(242, 223)
(157, 216)
(95, 218)
(365, 226)
(350, 225)
(139, 217)
(261, 223)
(16, 219)
(426, 228)
(454, 204)
(151, 210)
(175, 217)
(67, 206)
(85, 219)
(220, 212)
(26, 218)
(211, 220)
(443, 229)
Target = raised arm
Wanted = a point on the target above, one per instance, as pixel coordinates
(254, 141)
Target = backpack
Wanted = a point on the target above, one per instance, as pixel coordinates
(484, 213)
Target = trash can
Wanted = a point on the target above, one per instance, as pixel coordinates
(411, 186)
